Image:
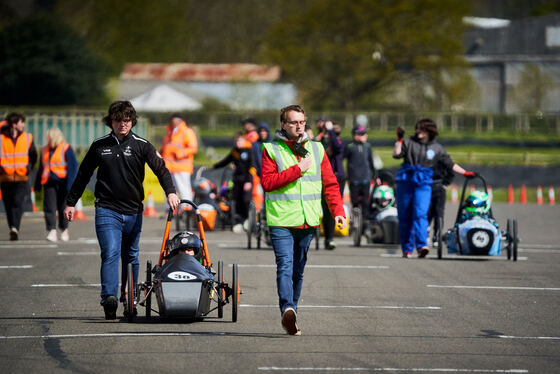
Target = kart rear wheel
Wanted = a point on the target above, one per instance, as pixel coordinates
(220, 289)
(235, 293)
(515, 240)
(148, 285)
(357, 226)
(317, 235)
(130, 294)
(509, 238)
(251, 223)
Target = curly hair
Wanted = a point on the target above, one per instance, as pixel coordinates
(120, 110)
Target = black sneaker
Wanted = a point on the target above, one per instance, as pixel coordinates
(110, 306)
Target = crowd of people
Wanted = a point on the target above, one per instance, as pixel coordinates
(300, 168)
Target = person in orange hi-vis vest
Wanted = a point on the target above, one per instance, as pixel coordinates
(17, 156)
(57, 170)
(178, 150)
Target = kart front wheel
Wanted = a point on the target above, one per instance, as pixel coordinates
(235, 293)
(148, 284)
(357, 225)
(130, 294)
(509, 238)
(515, 240)
(220, 289)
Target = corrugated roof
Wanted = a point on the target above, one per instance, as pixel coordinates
(201, 72)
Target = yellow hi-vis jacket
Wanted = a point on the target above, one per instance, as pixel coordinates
(14, 159)
(298, 202)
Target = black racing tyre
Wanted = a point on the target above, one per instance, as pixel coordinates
(317, 235)
(509, 238)
(130, 294)
(148, 285)
(357, 226)
(515, 240)
(259, 230)
(235, 293)
(220, 289)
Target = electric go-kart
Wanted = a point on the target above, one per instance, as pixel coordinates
(475, 231)
(380, 224)
(183, 282)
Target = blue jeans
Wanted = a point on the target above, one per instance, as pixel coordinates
(118, 236)
(290, 249)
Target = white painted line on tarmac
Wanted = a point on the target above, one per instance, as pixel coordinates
(497, 287)
(43, 285)
(347, 306)
(109, 335)
(20, 246)
(527, 245)
(317, 266)
(392, 370)
(16, 266)
(493, 258)
(535, 250)
(529, 337)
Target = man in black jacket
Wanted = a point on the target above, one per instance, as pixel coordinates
(121, 157)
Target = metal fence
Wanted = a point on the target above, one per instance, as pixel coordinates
(79, 129)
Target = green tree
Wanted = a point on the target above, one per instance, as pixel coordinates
(533, 87)
(344, 54)
(45, 63)
(130, 31)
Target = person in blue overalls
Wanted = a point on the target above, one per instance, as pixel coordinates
(414, 183)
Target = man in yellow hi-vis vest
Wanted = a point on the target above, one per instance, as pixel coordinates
(295, 171)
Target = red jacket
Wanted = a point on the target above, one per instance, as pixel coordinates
(272, 180)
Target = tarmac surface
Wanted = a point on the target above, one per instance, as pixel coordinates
(363, 309)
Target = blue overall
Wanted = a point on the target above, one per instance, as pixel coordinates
(414, 191)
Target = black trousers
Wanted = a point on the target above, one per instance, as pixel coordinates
(54, 198)
(328, 220)
(13, 195)
(359, 195)
(242, 200)
(437, 208)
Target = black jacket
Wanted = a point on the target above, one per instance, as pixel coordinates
(426, 155)
(242, 158)
(121, 173)
(359, 162)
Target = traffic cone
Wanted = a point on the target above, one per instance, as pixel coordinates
(490, 193)
(79, 212)
(539, 195)
(551, 197)
(523, 198)
(346, 194)
(510, 198)
(34, 207)
(150, 210)
(454, 195)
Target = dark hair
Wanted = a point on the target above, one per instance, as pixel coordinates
(289, 108)
(120, 110)
(176, 115)
(14, 118)
(429, 126)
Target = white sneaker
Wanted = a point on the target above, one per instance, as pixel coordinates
(65, 236)
(238, 228)
(51, 237)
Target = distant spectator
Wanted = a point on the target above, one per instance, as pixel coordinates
(250, 131)
(264, 137)
(17, 157)
(57, 170)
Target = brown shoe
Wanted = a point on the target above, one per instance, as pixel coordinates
(289, 323)
(423, 252)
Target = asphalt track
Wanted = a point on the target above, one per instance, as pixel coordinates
(363, 309)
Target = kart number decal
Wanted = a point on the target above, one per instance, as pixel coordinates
(181, 276)
(480, 239)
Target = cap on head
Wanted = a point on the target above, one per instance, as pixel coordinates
(359, 130)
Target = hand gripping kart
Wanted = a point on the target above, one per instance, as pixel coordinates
(476, 232)
(184, 284)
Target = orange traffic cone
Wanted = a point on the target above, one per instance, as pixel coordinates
(454, 195)
(490, 193)
(346, 194)
(551, 197)
(523, 198)
(510, 198)
(150, 210)
(34, 207)
(79, 212)
(539, 195)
